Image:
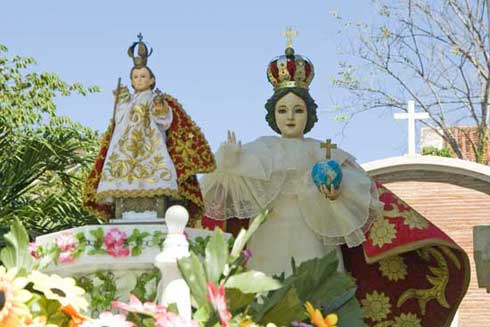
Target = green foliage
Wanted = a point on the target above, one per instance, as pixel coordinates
(98, 245)
(101, 289)
(146, 286)
(245, 235)
(252, 282)
(43, 157)
(194, 274)
(216, 255)
(16, 252)
(288, 308)
(136, 241)
(318, 282)
(433, 151)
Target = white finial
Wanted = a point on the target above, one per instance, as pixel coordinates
(411, 116)
(176, 218)
(172, 287)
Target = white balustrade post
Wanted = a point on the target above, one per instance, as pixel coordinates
(172, 287)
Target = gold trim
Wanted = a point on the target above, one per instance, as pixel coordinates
(438, 278)
(137, 193)
(430, 242)
(194, 172)
(286, 84)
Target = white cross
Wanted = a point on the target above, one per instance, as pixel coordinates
(411, 116)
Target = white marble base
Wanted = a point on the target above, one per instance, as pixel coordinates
(132, 215)
(86, 264)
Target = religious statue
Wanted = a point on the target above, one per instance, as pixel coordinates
(374, 233)
(150, 154)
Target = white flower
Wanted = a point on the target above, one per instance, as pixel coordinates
(108, 319)
(64, 290)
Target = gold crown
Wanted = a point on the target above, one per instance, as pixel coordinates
(143, 53)
(290, 70)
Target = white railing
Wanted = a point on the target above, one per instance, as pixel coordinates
(172, 287)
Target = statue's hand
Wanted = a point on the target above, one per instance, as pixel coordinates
(122, 90)
(332, 193)
(232, 139)
(228, 155)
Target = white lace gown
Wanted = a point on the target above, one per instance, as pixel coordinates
(275, 173)
(138, 163)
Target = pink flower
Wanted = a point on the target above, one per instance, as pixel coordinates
(66, 257)
(217, 298)
(34, 250)
(115, 243)
(171, 319)
(118, 251)
(66, 241)
(135, 305)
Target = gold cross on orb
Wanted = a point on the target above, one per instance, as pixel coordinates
(289, 36)
(328, 146)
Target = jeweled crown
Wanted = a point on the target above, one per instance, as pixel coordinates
(290, 70)
(142, 56)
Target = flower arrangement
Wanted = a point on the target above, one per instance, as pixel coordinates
(225, 293)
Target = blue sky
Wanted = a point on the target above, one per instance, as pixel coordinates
(210, 55)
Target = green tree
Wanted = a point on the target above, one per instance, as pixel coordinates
(43, 157)
(435, 52)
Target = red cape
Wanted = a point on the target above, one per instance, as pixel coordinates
(408, 272)
(190, 154)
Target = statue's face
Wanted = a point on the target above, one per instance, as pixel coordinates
(141, 79)
(291, 116)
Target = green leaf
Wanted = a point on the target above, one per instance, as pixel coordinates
(238, 300)
(202, 314)
(290, 308)
(193, 273)
(244, 236)
(216, 255)
(350, 314)
(252, 282)
(16, 252)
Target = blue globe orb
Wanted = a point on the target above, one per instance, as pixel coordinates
(327, 173)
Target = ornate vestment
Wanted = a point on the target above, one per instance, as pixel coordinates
(138, 163)
(150, 154)
(404, 266)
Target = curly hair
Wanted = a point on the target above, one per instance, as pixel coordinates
(303, 94)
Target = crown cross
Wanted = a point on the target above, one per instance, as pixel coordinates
(328, 146)
(140, 37)
(289, 36)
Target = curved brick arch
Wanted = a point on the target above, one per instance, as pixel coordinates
(455, 195)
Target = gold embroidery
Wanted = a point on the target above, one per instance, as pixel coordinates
(411, 218)
(450, 254)
(407, 320)
(139, 193)
(414, 220)
(439, 280)
(382, 232)
(376, 306)
(394, 268)
(134, 158)
(386, 323)
(160, 109)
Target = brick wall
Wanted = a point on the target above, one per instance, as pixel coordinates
(454, 203)
(463, 136)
